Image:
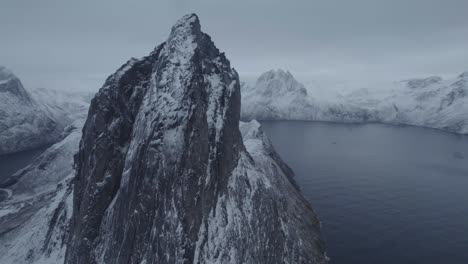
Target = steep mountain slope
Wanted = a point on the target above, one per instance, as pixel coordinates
(430, 102)
(277, 95)
(163, 175)
(64, 107)
(23, 124)
(35, 218)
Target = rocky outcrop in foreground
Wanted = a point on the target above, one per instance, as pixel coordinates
(164, 174)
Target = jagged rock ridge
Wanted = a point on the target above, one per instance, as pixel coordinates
(163, 175)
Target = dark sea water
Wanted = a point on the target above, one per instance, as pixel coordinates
(10, 163)
(384, 193)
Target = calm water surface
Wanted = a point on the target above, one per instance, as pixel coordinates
(384, 194)
(10, 163)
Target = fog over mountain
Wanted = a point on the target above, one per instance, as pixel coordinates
(76, 45)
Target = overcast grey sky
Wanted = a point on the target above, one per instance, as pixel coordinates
(77, 44)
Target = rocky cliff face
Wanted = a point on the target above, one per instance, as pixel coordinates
(164, 176)
(23, 124)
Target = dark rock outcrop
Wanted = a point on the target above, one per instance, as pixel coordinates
(163, 175)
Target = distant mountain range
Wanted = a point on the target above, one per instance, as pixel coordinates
(429, 102)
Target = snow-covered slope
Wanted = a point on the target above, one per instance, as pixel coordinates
(65, 107)
(35, 217)
(430, 102)
(277, 95)
(23, 123)
(164, 175)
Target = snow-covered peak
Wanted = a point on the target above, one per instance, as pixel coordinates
(275, 74)
(162, 151)
(5, 74)
(464, 75)
(179, 50)
(424, 82)
(23, 123)
(11, 87)
(277, 82)
(276, 95)
(184, 34)
(187, 22)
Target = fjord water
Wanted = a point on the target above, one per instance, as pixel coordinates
(384, 193)
(10, 163)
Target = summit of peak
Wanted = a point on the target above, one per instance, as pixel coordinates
(5, 73)
(185, 37)
(463, 75)
(423, 82)
(276, 74)
(187, 25)
(187, 20)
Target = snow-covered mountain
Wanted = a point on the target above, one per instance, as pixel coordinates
(35, 216)
(430, 102)
(36, 212)
(277, 95)
(165, 173)
(64, 107)
(23, 123)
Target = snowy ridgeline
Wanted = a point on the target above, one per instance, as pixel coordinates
(429, 102)
(38, 205)
(30, 119)
(34, 219)
(165, 173)
(35, 213)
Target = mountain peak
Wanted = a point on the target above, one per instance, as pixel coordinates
(463, 75)
(5, 73)
(163, 172)
(276, 74)
(10, 84)
(184, 38)
(187, 21)
(424, 82)
(188, 25)
(279, 82)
